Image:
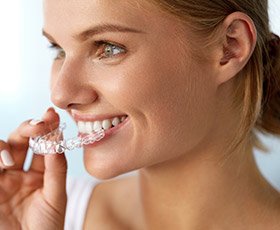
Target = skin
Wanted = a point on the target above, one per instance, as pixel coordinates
(181, 119)
(37, 197)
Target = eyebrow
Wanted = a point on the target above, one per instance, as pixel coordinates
(99, 29)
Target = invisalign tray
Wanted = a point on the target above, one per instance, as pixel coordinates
(53, 142)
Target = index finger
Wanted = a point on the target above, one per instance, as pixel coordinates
(19, 139)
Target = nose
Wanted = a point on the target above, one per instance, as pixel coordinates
(71, 86)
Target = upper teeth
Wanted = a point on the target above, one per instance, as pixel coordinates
(89, 127)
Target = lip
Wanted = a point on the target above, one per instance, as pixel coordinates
(108, 133)
(91, 118)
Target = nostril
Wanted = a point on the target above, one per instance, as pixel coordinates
(73, 106)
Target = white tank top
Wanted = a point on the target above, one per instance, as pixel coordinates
(79, 191)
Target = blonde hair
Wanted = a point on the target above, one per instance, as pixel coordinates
(258, 91)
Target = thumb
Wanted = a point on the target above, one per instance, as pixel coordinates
(54, 187)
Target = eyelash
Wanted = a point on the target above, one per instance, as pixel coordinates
(60, 53)
(105, 44)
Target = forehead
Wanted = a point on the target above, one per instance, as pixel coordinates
(61, 16)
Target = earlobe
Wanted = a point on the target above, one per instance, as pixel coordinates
(238, 44)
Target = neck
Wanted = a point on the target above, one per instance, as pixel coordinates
(202, 192)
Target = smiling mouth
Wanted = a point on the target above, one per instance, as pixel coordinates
(88, 127)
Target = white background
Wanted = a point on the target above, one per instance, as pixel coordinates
(24, 74)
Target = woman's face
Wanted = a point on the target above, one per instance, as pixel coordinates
(144, 70)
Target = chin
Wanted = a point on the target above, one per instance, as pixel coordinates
(102, 174)
(105, 170)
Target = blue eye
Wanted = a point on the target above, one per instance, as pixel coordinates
(108, 50)
(59, 53)
(104, 50)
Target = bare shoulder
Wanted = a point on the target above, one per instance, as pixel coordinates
(113, 204)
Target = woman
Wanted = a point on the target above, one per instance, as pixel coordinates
(191, 81)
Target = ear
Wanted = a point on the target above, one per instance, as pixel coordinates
(239, 40)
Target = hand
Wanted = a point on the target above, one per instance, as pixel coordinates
(35, 199)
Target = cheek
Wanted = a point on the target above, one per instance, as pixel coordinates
(181, 114)
(172, 106)
(171, 103)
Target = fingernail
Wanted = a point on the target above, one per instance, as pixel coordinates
(35, 122)
(7, 158)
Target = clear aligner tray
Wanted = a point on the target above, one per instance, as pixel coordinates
(54, 142)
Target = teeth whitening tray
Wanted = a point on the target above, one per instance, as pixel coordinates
(54, 142)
